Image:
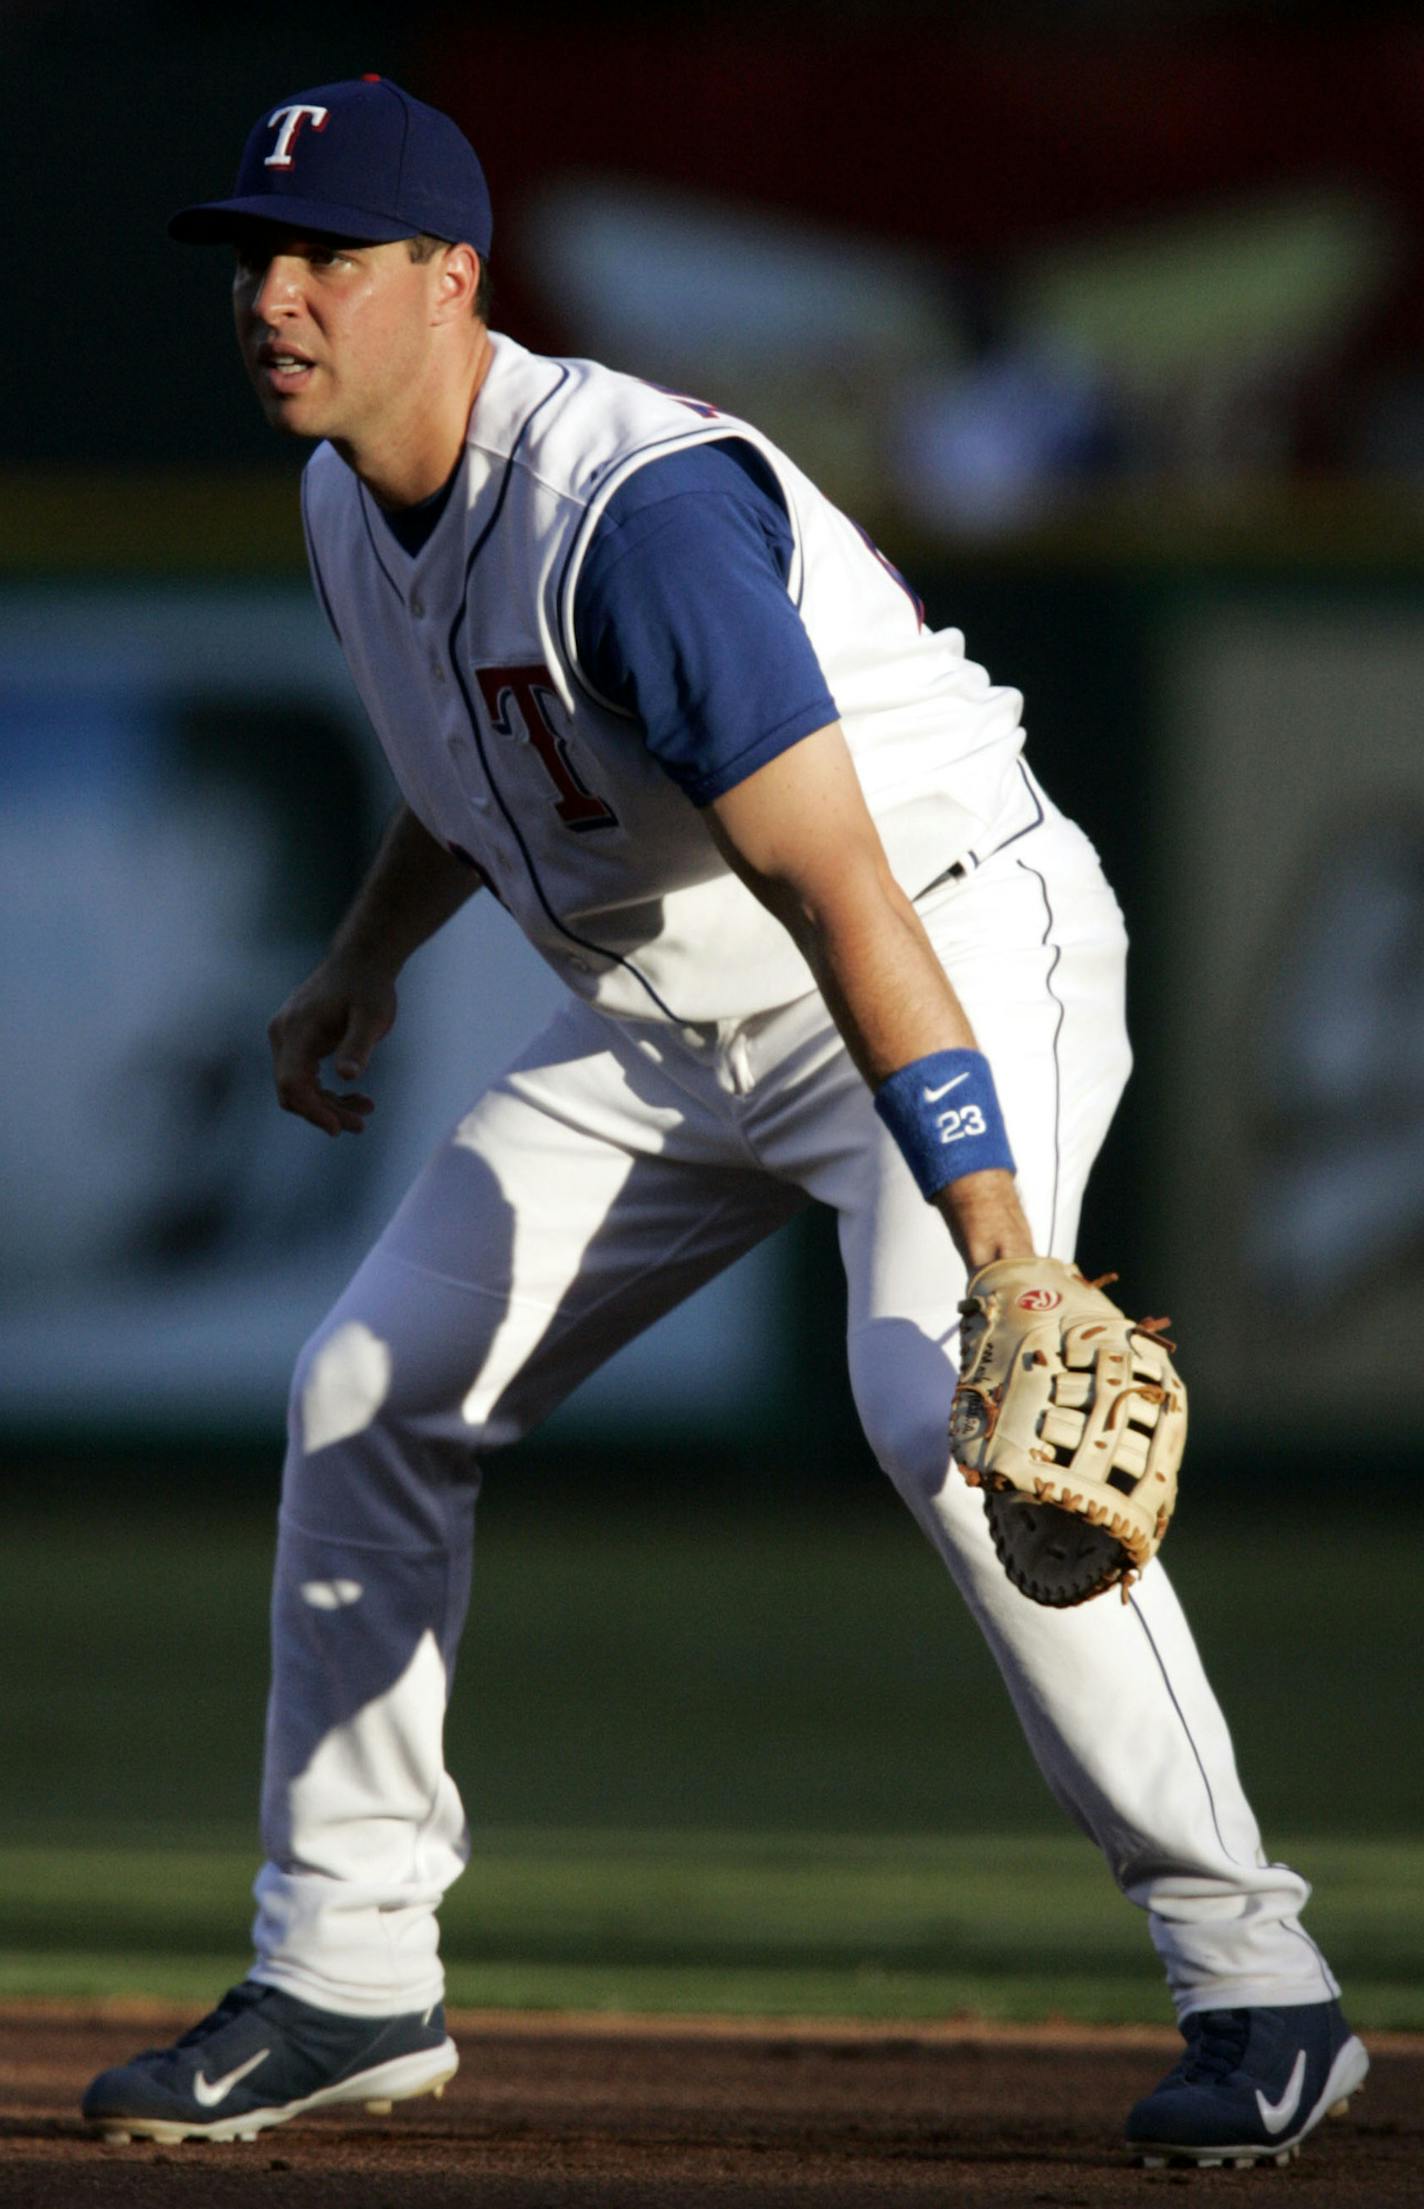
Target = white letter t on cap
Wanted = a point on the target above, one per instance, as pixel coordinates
(291, 120)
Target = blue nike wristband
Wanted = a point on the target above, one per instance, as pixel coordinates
(944, 1114)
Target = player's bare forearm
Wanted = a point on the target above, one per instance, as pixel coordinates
(413, 886)
(348, 1003)
(800, 836)
(893, 1003)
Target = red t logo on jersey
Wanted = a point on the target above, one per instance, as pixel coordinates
(530, 691)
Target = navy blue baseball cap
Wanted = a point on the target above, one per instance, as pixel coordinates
(359, 160)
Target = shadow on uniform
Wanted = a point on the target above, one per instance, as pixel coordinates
(347, 1633)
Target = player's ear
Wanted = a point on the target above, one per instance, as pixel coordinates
(459, 282)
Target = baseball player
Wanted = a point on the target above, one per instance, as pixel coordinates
(824, 937)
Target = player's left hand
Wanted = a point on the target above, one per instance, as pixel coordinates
(1071, 1418)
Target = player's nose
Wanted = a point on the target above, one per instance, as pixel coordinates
(279, 292)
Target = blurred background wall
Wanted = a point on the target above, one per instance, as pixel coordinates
(1105, 320)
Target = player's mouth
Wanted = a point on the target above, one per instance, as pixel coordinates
(284, 369)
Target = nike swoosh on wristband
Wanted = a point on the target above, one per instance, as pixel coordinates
(1275, 2116)
(207, 2094)
(932, 1096)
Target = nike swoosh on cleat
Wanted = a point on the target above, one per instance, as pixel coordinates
(932, 1096)
(1275, 2116)
(207, 2094)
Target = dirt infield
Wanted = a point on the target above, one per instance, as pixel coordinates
(589, 2113)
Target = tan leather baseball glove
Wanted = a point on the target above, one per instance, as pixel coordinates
(1072, 1419)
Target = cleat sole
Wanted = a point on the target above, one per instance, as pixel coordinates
(1215, 2159)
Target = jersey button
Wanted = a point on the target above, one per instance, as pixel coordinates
(417, 607)
(437, 671)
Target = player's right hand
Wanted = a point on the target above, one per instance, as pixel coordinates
(340, 1012)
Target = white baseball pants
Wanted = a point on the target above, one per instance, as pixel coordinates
(613, 1169)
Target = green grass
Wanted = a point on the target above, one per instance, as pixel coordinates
(712, 1669)
(716, 1759)
(998, 1926)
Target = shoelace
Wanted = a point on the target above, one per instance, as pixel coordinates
(232, 2004)
(1218, 2046)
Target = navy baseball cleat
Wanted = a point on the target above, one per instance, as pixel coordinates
(1249, 2087)
(262, 2057)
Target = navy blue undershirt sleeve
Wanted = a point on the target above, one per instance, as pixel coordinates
(683, 618)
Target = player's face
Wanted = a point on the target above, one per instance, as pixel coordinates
(334, 335)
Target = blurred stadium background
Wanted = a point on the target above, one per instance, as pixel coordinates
(1108, 321)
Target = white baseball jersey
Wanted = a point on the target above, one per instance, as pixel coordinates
(466, 659)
